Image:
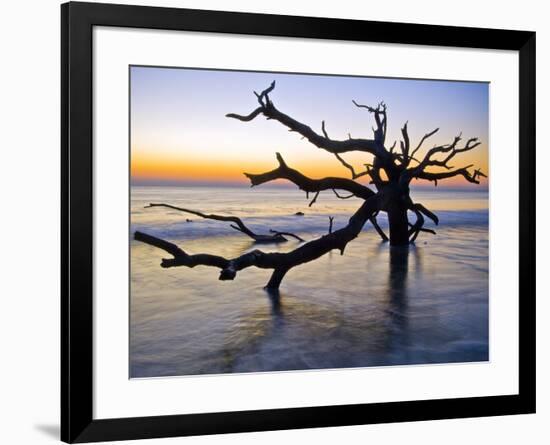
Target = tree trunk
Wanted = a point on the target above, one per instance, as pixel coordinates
(399, 226)
(276, 278)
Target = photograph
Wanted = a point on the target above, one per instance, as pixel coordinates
(266, 222)
(293, 221)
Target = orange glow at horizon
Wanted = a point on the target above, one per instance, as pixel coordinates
(151, 165)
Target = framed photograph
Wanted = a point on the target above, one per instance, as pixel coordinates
(275, 222)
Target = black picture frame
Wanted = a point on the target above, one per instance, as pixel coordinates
(77, 22)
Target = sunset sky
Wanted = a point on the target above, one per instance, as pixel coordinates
(179, 132)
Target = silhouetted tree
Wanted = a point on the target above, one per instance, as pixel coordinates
(391, 172)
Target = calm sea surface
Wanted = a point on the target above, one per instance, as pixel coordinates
(373, 306)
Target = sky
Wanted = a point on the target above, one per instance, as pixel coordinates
(179, 132)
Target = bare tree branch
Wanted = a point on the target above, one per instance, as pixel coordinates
(308, 184)
(246, 118)
(324, 130)
(293, 235)
(378, 229)
(418, 226)
(373, 219)
(341, 196)
(267, 108)
(426, 136)
(277, 237)
(314, 199)
(426, 212)
(452, 151)
(445, 175)
(180, 257)
(350, 167)
(405, 145)
(380, 117)
(477, 173)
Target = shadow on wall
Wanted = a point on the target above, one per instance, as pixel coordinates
(49, 430)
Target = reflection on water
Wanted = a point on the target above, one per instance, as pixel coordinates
(397, 287)
(373, 306)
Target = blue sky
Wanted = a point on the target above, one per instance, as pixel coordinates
(179, 129)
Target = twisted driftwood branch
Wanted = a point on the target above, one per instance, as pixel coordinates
(268, 109)
(307, 184)
(275, 237)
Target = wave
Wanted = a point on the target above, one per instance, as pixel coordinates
(194, 227)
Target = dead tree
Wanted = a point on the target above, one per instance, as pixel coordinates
(390, 170)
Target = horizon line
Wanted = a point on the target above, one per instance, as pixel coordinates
(242, 184)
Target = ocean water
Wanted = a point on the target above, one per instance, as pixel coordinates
(373, 306)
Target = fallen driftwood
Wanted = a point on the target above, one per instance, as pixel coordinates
(274, 236)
